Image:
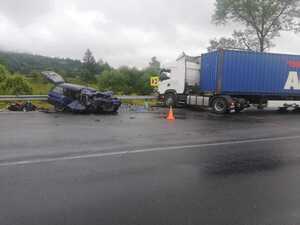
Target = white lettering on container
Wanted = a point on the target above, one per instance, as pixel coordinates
(292, 82)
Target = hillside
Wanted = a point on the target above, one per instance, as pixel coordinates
(28, 63)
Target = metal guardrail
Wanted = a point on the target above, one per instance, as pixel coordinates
(45, 97)
(136, 97)
(23, 98)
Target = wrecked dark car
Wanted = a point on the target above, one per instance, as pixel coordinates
(79, 99)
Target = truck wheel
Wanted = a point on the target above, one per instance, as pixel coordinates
(170, 100)
(219, 106)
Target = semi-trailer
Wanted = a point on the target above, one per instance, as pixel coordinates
(231, 80)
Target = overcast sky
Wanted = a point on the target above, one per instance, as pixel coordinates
(122, 32)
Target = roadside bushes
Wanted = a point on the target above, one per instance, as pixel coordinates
(13, 84)
(122, 81)
(126, 81)
(3, 73)
(111, 80)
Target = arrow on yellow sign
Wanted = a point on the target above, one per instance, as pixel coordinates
(154, 81)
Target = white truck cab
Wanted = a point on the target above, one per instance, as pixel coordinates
(178, 79)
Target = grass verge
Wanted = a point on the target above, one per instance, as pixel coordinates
(152, 102)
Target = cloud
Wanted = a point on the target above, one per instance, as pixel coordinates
(127, 32)
(25, 12)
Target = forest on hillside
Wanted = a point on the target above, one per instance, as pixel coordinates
(25, 69)
(27, 64)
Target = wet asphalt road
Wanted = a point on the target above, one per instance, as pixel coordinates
(140, 169)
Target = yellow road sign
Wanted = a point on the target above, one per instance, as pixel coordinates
(154, 81)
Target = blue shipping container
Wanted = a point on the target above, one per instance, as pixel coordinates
(229, 72)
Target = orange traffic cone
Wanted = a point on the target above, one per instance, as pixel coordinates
(171, 116)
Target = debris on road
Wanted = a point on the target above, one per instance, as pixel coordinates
(22, 107)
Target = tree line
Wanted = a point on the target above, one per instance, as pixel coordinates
(29, 64)
(19, 72)
(124, 80)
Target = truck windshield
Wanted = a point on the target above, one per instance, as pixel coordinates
(165, 74)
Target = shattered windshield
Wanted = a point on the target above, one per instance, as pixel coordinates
(165, 74)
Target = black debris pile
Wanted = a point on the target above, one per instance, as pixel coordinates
(22, 107)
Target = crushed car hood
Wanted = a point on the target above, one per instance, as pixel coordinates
(53, 77)
(93, 92)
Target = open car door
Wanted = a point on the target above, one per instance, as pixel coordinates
(53, 77)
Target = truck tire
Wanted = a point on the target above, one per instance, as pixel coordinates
(170, 100)
(220, 106)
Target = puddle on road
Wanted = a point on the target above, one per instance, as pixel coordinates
(248, 116)
(209, 116)
(125, 108)
(243, 163)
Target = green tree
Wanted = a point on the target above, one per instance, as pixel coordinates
(15, 85)
(3, 73)
(38, 78)
(147, 74)
(263, 19)
(27, 63)
(239, 40)
(127, 81)
(111, 80)
(224, 43)
(131, 80)
(89, 68)
(102, 66)
(154, 64)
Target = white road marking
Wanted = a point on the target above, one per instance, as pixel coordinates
(158, 149)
